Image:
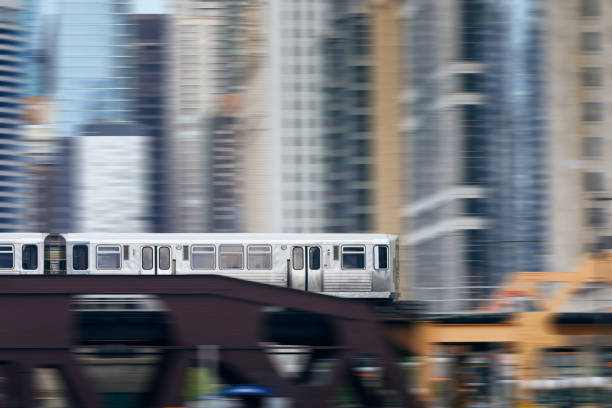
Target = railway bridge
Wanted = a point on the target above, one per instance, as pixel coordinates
(296, 348)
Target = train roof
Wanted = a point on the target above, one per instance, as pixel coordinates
(212, 236)
(232, 236)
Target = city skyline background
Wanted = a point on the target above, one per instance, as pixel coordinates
(474, 130)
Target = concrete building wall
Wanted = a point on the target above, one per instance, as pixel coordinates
(581, 146)
(387, 146)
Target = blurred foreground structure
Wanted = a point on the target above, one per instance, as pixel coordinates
(84, 341)
(543, 341)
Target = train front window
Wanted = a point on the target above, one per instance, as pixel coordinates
(381, 257)
(109, 257)
(29, 257)
(147, 258)
(231, 257)
(259, 257)
(80, 257)
(353, 257)
(203, 257)
(314, 258)
(6, 257)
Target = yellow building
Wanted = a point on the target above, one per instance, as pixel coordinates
(543, 338)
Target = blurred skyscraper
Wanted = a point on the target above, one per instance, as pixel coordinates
(195, 86)
(581, 120)
(13, 166)
(151, 85)
(110, 180)
(94, 73)
(478, 191)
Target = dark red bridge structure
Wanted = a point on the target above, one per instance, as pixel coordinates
(40, 328)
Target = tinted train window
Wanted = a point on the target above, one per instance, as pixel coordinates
(6, 257)
(231, 257)
(109, 257)
(298, 258)
(147, 258)
(164, 258)
(259, 257)
(80, 257)
(203, 257)
(29, 257)
(381, 257)
(353, 257)
(314, 258)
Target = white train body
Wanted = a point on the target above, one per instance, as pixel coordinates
(347, 265)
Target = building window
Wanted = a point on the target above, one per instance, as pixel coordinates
(108, 257)
(231, 257)
(203, 257)
(592, 111)
(259, 257)
(590, 41)
(80, 257)
(29, 257)
(6, 257)
(590, 8)
(593, 182)
(591, 76)
(595, 217)
(353, 257)
(592, 147)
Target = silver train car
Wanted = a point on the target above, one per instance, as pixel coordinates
(346, 265)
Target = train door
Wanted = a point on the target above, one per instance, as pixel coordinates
(55, 255)
(306, 268)
(156, 260)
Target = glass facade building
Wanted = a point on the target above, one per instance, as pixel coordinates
(477, 140)
(12, 165)
(92, 61)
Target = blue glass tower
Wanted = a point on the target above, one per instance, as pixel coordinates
(12, 165)
(92, 62)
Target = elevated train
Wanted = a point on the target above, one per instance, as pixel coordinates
(346, 265)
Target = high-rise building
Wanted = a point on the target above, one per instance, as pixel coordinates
(110, 179)
(13, 167)
(93, 66)
(348, 126)
(580, 121)
(477, 141)
(287, 80)
(195, 87)
(150, 51)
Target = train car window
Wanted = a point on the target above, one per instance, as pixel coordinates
(203, 257)
(80, 257)
(353, 257)
(231, 257)
(336, 252)
(6, 257)
(314, 258)
(147, 258)
(164, 258)
(381, 257)
(29, 257)
(259, 257)
(298, 258)
(126, 252)
(108, 257)
(185, 253)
